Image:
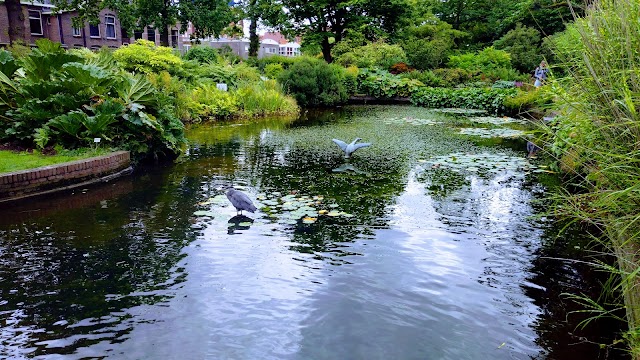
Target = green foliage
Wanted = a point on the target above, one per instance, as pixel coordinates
(284, 61)
(486, 59)
(429, 42)
(524, 101)
(452, 77)
(202, 54)
(351, 79)
(213, 103)
(428, 78)
(382, 84)
(374, 55)
(145, 57)
(320, 21)
(491, 100)
(65, 99)
(523, 44)
(272, 71)
(265, 98)
(313, 82)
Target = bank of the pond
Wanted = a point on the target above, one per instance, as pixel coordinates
(63, 176)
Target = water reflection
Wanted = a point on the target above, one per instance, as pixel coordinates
(239, 222)
(430, 264)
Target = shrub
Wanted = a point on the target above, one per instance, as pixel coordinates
(382, 84)
(374, 55)
(491, 100)
(213, 103)
(428, 78)
(524, 101)
(486, 59)
(265, 98)
(400, 68)
(452, 77)
(313, 82)
(145, 57)
(284, 61)
(202, 54)
(351, 79)
(64, 99)
(523, 44)
(272, 71)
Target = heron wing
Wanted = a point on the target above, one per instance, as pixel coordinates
(361, 145)
(342, 144)
(242, 201)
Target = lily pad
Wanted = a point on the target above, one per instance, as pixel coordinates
(496, 120)
(411, 121)
(459, 111)
(490, 133)
(204, 213)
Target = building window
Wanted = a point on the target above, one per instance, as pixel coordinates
(137, 34)
(110, 26)
(35, 22)
(174, 38)
(76, 32)
(151, 34)
(94, 31)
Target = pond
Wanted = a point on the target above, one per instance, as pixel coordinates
(425, 245)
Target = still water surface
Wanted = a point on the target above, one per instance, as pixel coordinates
(426, 264)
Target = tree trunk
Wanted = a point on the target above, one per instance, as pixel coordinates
(254, 40)
(326, 50)
(16, 21)
(164, 36)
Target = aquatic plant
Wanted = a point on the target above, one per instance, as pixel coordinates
(489, 133)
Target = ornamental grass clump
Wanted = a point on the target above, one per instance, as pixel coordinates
(596, 138)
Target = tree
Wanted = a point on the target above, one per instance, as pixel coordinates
(426, 40)
(16, 21)
(326, 21)
(523, 43)
(209, 17)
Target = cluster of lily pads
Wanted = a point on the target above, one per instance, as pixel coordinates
(489, 133)
(459, 111)
(292, 208)
(411, 121)
(496, 120)
(483, 162)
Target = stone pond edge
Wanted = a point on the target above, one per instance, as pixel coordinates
(63, 176)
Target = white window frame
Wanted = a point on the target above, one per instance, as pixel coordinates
(107, 24)
(39, 18)
(95, 36)
(77, 32)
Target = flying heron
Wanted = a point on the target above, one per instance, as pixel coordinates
(350, 148)
(240, 200)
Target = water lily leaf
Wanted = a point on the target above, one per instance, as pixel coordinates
(204, 213)
(333, 213)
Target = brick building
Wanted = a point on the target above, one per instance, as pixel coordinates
(40, 21)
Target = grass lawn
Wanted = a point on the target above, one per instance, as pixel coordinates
(12, 161)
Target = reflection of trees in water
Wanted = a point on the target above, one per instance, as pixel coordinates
(555, 270)
(86, 265)
(535, 248)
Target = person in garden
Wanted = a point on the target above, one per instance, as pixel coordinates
(540, 74)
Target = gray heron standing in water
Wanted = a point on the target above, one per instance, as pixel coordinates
(240, 200)
(350, 148)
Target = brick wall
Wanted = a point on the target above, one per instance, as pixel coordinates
(28, 182)
(4, 25)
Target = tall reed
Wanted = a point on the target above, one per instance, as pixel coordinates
(596, 137)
